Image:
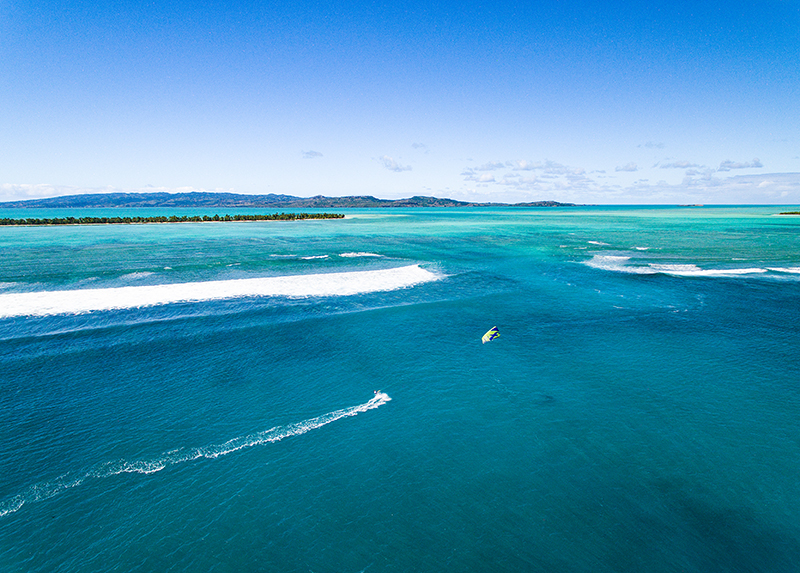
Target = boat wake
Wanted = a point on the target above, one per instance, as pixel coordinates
(80, 301)
(48, 489)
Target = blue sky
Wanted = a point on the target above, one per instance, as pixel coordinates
(588, 102)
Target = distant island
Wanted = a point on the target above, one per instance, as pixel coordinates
(271, 201)
(170, 219)
(790, 213)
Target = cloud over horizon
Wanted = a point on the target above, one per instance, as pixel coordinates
(678, 165)
(727, 165)
(10, 192)
(569, 185)
(392, 165)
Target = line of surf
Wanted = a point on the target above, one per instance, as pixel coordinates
(46, 303)
(48, 489)
(620, 264)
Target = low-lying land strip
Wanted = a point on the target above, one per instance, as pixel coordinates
(170, 219)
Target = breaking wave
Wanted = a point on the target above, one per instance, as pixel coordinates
(48, 489)
(135, 276)
(46, 303)
(618, 264)
(621, 264)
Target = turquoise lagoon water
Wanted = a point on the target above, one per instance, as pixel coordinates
(202, 397)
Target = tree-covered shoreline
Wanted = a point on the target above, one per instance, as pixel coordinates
(169, 219)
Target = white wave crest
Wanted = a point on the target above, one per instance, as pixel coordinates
(695, 271)
(330, 284)
(138, 275)
(790, 270)
(616, 263)
(46, 490)
(354, 255)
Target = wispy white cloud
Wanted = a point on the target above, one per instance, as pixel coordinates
(554, 168)
(392, 165)
(311, 154)
(727, 165)
(678, 165)
(525, 180)
(478, 178)
(766, 188)
(523, 165)
(23, 191)
(544, 176)
(775, 188)
(491, 166)
(703, 173)
(421, 146)
(549, 167)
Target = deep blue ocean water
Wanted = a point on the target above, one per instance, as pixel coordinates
(201, 397)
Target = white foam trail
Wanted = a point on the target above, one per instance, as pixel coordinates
(46, 490)
(353, 255)
(791, 270)
(602, 244)
(311, 257)
(329, 284)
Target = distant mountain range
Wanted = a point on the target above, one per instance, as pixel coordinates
(270, 201)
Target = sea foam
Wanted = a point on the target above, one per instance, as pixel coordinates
(46, 303)
(359, 254)
(617, 263)
(695, 271)
(135, 276)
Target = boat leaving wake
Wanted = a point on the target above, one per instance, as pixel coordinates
(48, 489)
(45, 303)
